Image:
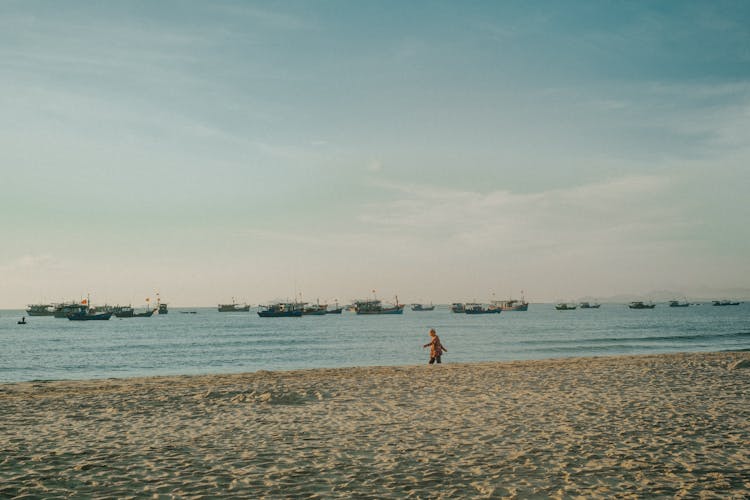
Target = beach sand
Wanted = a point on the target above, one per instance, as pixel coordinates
(635, 426)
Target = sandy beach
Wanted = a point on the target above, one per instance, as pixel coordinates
(641, 426)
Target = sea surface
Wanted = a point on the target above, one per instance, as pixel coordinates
(211, 342)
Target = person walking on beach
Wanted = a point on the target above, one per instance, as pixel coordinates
(436, 348)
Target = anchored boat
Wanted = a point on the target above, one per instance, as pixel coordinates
(130, 312)
(63, 309)
(40, 310)
(641, 305)
(316, 309)
(422, 307)
(234, 307)
(563, 306)
(725, 303)
(281, 310)
(86, 313)
(336, 310)
(375, 306)
(589, 305)
(480, 309)
(512, 305)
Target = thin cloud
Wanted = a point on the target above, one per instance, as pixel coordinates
(374, 166)
(26, 263)
(621, 208)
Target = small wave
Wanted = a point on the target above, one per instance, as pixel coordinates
(657, 338)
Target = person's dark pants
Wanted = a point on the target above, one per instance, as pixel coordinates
(436, 359)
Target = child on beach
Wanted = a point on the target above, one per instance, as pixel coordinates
(436, 348)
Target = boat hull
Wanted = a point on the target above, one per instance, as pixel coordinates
(586, 305)
(390, 310)
(233, 308)
(315, 312)
(90, 317)
(419, 308)
(510, 305)
(280, 314)
(40, 311)
(520, 307)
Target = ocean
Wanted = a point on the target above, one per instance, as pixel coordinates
(211, 342)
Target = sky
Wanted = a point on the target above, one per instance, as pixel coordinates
(438, 151)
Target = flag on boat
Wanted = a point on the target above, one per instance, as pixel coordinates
(84, 302)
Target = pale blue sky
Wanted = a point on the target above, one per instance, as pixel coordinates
(436, 150)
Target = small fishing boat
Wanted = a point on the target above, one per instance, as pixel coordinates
(473, 308)
(86, 314)
(40, 310)
(512, 305)
(128, 311)
(63, 309)
(422, 307)
(336, 309)
(123, 311)
(677, 303)
(725, 303)
(589, 305)
(234, 307)
(458, 308)
(281, 310)
(316, 309)
(161, 307)
(375, 306)
(564, 306)
(641, 305)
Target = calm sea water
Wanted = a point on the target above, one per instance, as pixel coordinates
(211, 342)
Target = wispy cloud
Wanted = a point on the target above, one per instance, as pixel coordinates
(624, 210)
(374, 165)
(31, 263)
(617, 210)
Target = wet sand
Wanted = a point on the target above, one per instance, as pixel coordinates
(636, 426)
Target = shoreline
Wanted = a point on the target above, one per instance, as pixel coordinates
(633, 425)
(173, 376)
